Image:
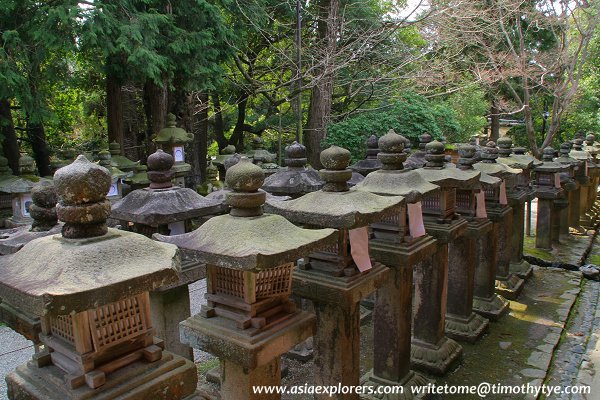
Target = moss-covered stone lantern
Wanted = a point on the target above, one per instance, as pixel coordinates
(297, 179)
(518, 193)
(579, 219)
(262, 157)
(548, 190)
(249, 321)
(472, 206)
(399, 241)
(212, 183)
(167, 209)
(569, 184)
(139, 179)
(173, 141)
(89, 286)
(508, 284)
(339, 277)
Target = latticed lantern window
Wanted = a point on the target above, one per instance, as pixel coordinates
(254, 299)
(466, 202)
(492, 194)
(333, 259)
(441, 205)
(89, 344)
(392, 228)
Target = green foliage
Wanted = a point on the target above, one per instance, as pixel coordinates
(412, 116)
(470, 108)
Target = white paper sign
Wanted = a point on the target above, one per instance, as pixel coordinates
(25, 203)
(114, 190)
(359, 248)
(415, 220)
(178, 154)
(176, 228)
(480, 211)
(557, 180)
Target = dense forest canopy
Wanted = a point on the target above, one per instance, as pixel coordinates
(80, 74)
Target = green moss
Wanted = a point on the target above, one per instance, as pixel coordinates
(206, 366)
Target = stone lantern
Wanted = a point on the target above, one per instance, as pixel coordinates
(548, 190)
(417, 159)
(249, 321)
(89, 286)
(578, 217)
(43, 212)
(20, 188)
(569, 184)
(173, 140)
(399, 241)
(122, 163)
(524, 180)
(593, 147)
(139, 179)
(518, 193)
(339, 277)
(371, 163)
(456, 239)
(212, 183)
(485, 300)
(167, 209)
(297, 179)
(442, 222)
(219, 160)
(116, 186)
(499, 212)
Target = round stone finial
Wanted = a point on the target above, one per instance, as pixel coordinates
(565, 149)
(230, 149)
(114, 148)
(435, 154)
(244, 179)
(211, 172)
(43, 209)
(590, 139)
(336, 173)
(104, 158)
(505, 146)
(548, 154)
(489, 153)
(295, 155)
(578, 144)
(159, 169)
(373, 142)
(82, 205)
(391, 147)
(257, 143)
(335, 158)
(466, 155)
(26, 164)
(171, 120)
(519, 150)
(424, 139)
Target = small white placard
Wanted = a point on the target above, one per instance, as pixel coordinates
(178, 154)
(176, 228)
(114, 190)
(25, 203)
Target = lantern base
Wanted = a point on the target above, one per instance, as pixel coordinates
(522, 269)
(492, 308)
(469, 329)
(509, 287)
(172, 377)
(436, 358)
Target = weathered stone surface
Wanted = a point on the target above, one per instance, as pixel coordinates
(371, 163)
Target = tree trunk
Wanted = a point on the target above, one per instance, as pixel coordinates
(200, 144)
(114, 110)
(10, 143)
(219, 125)
(494, 122)
(41, 152)
(237, 137)
(156, 99)
(321, 93)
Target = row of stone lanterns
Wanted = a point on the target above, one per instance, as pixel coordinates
(250, 260)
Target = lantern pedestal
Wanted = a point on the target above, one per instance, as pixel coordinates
(171, 377)
(431, 350)
(392, 319)
(518, 266)
(485, 300)
(248, 360)
(508, 284)
(337, 306)
(563, 216)
(461, 322)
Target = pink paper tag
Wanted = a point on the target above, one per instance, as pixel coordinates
(557, 180)
(480, 211)
(415, 220)
(503, 199)
(359, 248)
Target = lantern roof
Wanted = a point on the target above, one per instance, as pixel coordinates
(246, 238)
(489, 165)
(443, 174)
(172, 135)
